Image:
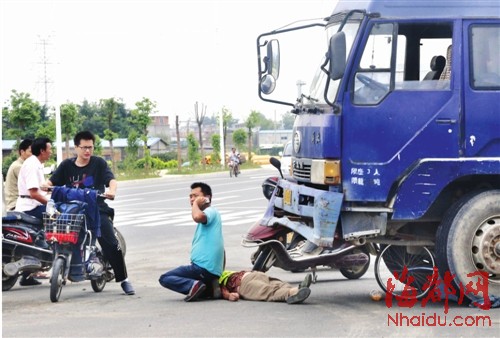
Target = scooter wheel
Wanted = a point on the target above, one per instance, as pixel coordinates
(8, 282)
(264, 260)
(57, 279)
(98, 284)
(358, 271)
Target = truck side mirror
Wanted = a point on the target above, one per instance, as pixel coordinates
(267, 84)
(272, 63)
(273, 58)
(337, 55)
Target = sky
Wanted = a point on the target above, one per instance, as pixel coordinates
(175, 53)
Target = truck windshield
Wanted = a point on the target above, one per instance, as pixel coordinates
(319, 81)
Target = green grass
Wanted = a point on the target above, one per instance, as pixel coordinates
(141, 174)
(209, 169)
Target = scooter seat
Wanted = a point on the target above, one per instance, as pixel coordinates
(18, 216)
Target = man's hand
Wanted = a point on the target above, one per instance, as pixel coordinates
(109, 195)
(201, 201)
(233, 297)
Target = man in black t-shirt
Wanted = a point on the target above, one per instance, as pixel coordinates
(88, 171)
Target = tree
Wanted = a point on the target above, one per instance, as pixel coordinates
(251, 122)
(193, 154)
(200, 116)
(69, 121)
(97, 146)
(132, 149)
(239, 138)
(23, 116)
(227, 118)
(91, 115)
(263, 122)
(140, 118)
(109, 107)
(287, 120)
(215, 157)
(47, 129)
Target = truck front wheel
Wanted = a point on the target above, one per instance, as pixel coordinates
(468, 245)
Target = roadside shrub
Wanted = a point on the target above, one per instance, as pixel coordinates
(156, 163)
(171, 164)
(165, 157)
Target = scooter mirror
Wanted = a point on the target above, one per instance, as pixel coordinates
(277, 164)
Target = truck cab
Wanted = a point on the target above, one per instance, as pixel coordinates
(399, 133)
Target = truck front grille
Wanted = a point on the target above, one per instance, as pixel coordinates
(302, 169)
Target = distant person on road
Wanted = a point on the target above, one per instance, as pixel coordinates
(200, 278)
(89, 171)
(256, 285)
(11, 190)
(235, 159)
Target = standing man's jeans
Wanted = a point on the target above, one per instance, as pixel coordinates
(181, 279)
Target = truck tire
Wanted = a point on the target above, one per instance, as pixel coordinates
(468, 241)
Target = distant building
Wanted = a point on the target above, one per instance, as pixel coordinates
(160, 127)
(268, 139)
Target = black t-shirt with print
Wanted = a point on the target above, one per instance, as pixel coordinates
(95, 175)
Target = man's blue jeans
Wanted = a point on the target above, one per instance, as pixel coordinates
(181, 279)
(37, 212)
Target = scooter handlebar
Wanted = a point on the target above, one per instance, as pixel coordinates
(99, 194)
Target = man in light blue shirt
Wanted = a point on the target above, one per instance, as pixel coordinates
(207, 252)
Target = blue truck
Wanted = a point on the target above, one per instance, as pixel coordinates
(396, 146)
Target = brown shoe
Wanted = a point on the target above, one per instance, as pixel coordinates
(196, 291)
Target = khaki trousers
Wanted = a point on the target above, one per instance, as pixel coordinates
(257, 285)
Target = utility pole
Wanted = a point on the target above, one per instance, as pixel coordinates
(45, 42)
(274, 140)
(44, 61)
(179, 159)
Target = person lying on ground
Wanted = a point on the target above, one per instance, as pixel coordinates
(256, 285)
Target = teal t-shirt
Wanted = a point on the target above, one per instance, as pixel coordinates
(207, 249)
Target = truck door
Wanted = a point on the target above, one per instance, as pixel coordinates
(482, 88)
(392, 117)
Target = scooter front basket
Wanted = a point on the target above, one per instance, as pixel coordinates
(63, 228)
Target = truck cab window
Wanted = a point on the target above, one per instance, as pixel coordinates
(424, 56)
(485, 60)
(371, 82)
(420, 51)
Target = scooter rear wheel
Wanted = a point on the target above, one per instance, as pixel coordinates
(57, 279)
(99, 283)
(121, 241)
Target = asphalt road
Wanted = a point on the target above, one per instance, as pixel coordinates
(154, 217)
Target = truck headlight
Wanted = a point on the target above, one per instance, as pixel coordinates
(325, 172)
